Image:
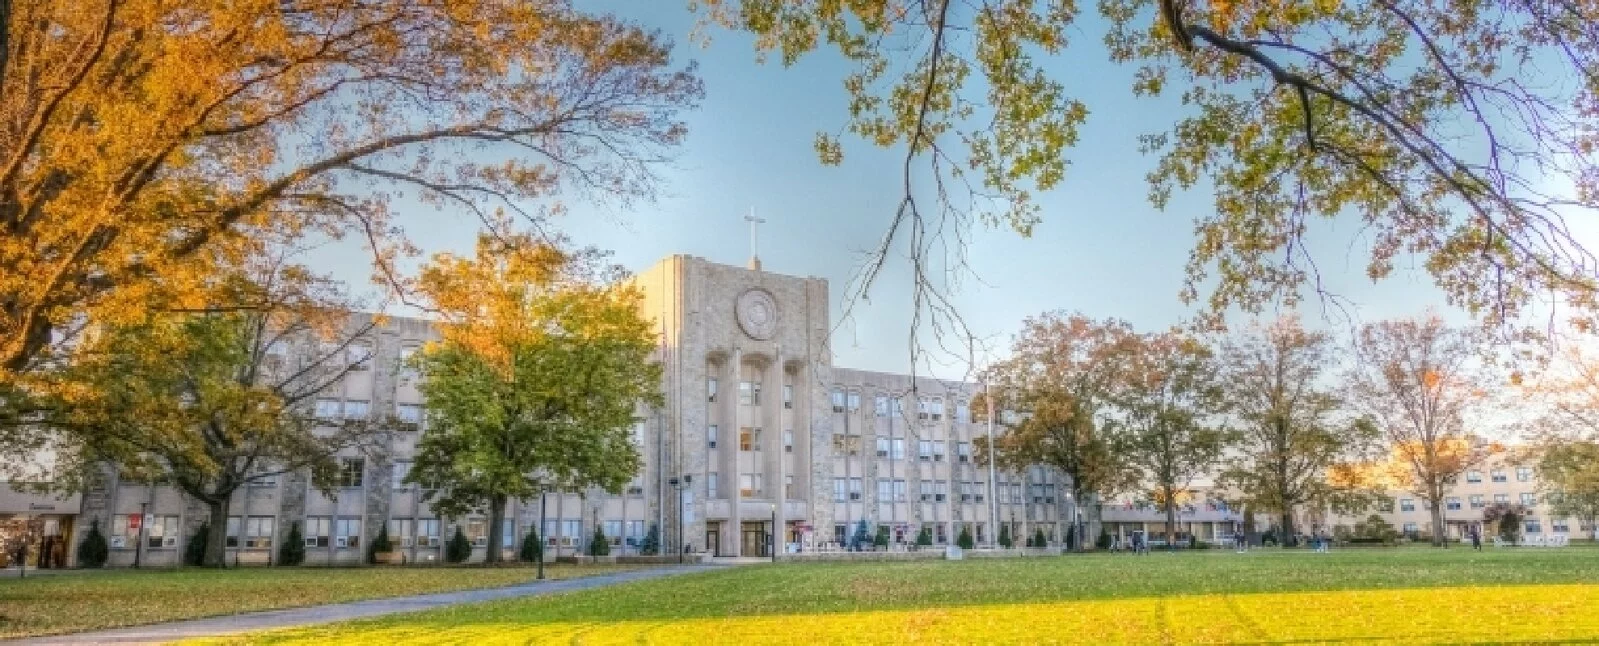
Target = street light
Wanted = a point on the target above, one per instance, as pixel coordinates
(679, 486)
(544, 528)
(772, 540)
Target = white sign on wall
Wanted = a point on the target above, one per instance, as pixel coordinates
(688, 506)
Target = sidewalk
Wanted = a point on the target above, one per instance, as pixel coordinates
(296, 617)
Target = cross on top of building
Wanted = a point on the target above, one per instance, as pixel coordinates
(755, 222)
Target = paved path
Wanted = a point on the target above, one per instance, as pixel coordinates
(296, 617)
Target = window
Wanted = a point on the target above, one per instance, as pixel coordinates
(963, 452)
(940, 490)
(410, 415)
(427, 532)
(882, 447)
(398, 471)
(635, 533)
(854, 488)
(317, 531)
(749, 439)
(1411, 528)
(1474, 476)
(840, 489)
(927, 490)
(234, 525)
(965, 489)
(1452, 503)
(613, 532)
(924, 450)
(635, 487)
(885, 491)
(749, 393)
(358, 355)
(939, 534)
(1523, 474)
(880, 405)
(854, 401)
(710, 389)
(1016, 496)
(1386, 505)
(963, 411)
(408, 371)
(712, 490)
(1407, 504)
(1559, 525)
(788, 487)
(1502, 498)
(162, 532)
(1498, 475)
(357, 409)
(401, 531)
(749, 485)
(838, 401)
(258, 532)
(898, 452)
(978, 489)
(477, 531)
(930, 408)
(938, 451)
(710, 436)
(1534, 526)
(1476, 501)
(263, 475)
(788, 396)
(846, 445)
(840, 531)
(347, 533)
(350, 472)
(327, 409)
(899, 490)
(788, 441)
(1529, 499)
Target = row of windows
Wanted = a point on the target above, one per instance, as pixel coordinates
(1523, 474)
(927, 408)
(749, 393)
(1453, 503)
(749, 438)
(895, 490)
(842, 532)
(330, 409)
(257, 532)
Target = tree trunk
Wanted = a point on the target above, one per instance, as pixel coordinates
(1171, 522)
(1438, 525)
(216, 548)
(1289, 538)
(493, 552)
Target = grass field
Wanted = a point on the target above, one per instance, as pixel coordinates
(1398, 596)
(46, 604)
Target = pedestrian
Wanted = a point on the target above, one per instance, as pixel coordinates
(1476, 538)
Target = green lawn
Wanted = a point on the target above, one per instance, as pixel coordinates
(1399, 596)
(45, 604)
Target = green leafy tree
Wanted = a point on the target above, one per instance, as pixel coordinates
(380, 544)
(194, 551)
(1058, 382)
(599, 545)
(1430, 123)
(964, 541)
(93, 552)
(652, 541)
(1569, 473)
(1289, 435)
(292, 552)
(538, 380)
(924, 538)
(458, 549)
(1004, 537)
(1376, 528)
(1038, 538)
(1506, 517)
(532, 549)
(1167, 396)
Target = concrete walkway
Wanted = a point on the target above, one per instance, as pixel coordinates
(297, 617)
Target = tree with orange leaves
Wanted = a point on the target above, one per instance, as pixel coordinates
(1418, 380)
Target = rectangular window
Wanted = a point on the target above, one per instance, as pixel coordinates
(1476, 501)
(788, 487)
(235, 523)
(347, 533)
(571, 532)
(788, 396)
(1411, 528)
(882, 446)
(749, 485)
(854, 488)
(399, 470)
(1473, 476)
(710, 389)
(1523, 474)
(963, 452)
(427, 532)
(927, 490)
(1016, 496)
(507, 533)
(263, 475)
(965, 490)
(880, 405)
(163, 532)
(840, 490)
(963, 411)
(1452, 503)
(409, 415)
(940, 536)
(258, 532)
(979, 488)
(846, 445)
(328, 409)
(788, 441)
(1498, 475)
(1407, 504)
(749, 393)
(924, 450)
(1559, 525)
(356, 410)
(899, 491)
(898, 449)
(1502, 498)
(477, 531)
(938, 451)
(635, 533)
(408, 372)
(710, 436)
(854, 401)
(613, 532)
(885, 491)
(318, 529)
(402, 531)
(351, 471)
(358, 355)
(838, 401)
(940, 490)
(1534, 526)
(710, 485)
(749, 439)
(839, 532)
(1529, 499)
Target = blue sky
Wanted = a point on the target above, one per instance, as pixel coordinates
(1102, 249)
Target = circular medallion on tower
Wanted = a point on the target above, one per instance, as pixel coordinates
(757, 313)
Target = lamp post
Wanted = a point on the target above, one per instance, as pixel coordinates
(544, 528)
(679, 485)
(772, 538)
(993, 502)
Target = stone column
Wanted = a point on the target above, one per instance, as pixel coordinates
(772, 411)
(727, 471)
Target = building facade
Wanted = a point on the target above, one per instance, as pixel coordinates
(761, 444)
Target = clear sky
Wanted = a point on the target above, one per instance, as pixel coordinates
(1102, 249)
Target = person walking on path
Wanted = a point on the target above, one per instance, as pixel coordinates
(1476, 538)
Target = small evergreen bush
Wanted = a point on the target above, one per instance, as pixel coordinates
(292, 552)
(458, 550)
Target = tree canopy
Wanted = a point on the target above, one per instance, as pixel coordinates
(536, 385)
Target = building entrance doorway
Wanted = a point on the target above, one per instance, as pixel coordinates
(755, 540)
(713, 541)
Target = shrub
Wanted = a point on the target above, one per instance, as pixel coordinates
(924, 538)
(458, 550)
(1507, 517)
(882, 536)
(292, 552)
(599, 546)
(379, 544)
(1004, 537)
(965, 540)
(652, 542)
(1104, 541)
(194, 552)
(1038, 538)
(1376, 529)
(93, 551)
(532, 550)
(861, 538)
